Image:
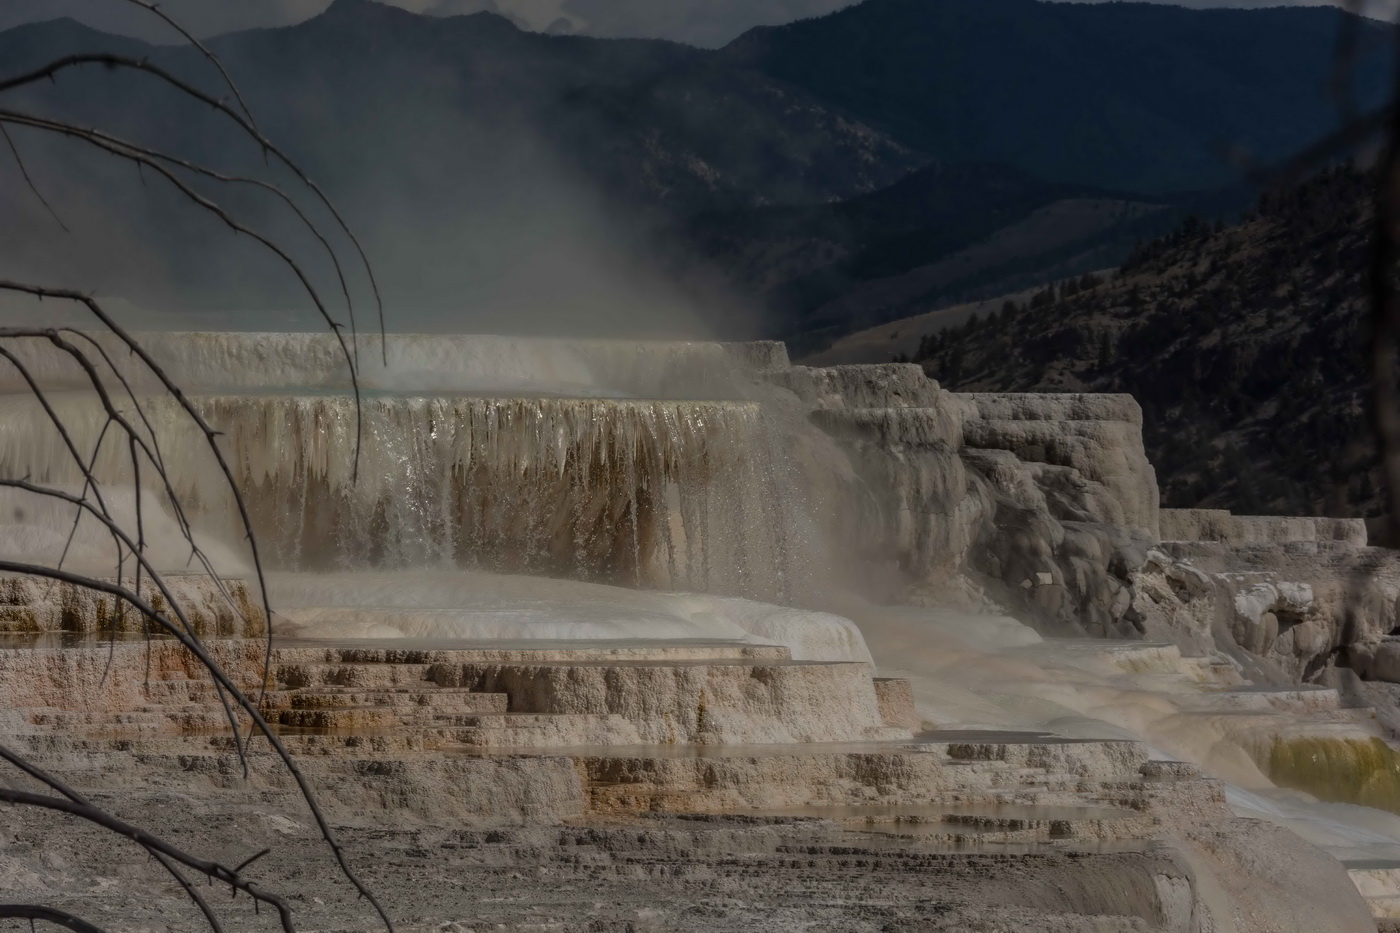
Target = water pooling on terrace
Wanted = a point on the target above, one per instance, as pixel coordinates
(637, 464)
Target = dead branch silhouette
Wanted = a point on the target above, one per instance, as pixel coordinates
(126, 417)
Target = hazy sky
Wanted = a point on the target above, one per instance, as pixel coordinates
(699, 22)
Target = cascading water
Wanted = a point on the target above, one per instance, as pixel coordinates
(664, 493)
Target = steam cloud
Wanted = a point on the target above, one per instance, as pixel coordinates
(488, 232)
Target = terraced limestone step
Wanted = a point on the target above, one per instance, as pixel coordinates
(961, 826)
(184, 690)
(348, 730)
(1302, 699)
(719, 701)
(732, 778)
(366, 676)
(527, 651)
(730, 693)
(156, 722)
(1378, 881)
(440, 699)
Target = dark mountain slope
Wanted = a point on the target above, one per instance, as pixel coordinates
(500, 176)
(926, 240)
(1244, 346)
(497, 175)
(1139, 97)
(656, 121)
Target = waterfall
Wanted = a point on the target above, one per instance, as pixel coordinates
(668, 494)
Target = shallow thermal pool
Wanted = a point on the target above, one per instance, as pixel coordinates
(483, 607)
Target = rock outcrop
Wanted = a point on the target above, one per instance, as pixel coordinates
(1041, 503)
(1048, 506)
(1093, 439)
(1220, 526)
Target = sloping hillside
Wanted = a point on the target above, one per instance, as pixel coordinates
(944, 232)
(1131, 96)
(805, 181)
(1244, 346)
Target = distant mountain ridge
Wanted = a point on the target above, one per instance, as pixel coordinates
(1135, 96)
(940, 233)
(804, 180)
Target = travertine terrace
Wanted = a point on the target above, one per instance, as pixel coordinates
(928, 741)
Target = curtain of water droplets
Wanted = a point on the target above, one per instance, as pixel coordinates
(661, 494)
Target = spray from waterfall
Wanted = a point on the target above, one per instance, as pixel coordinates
(628, 463)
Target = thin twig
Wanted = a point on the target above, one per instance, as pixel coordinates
(90, 479)
(50, 70)
(204, 50)
(24, 172)
(210, 435)
(268, 243)
(32, 912)
(154, 843)
(93, 135)
(195, 647)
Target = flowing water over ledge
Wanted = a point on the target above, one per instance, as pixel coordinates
(671, 494)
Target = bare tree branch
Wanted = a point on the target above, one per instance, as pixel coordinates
(213, 208)
(210, 435)
(32, 912)
(210, 56)
(147, 840)
(142, 443)
(49, 71)
(195, 647)
(103, 140)
(61, 787)
(24, 172)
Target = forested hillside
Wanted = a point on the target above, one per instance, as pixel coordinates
(1244, 345)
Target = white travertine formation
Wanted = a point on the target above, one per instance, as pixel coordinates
(1219, 525)
(894, 385)
(480, 607)
(1099, 436)
(415, 686)
(437, 364)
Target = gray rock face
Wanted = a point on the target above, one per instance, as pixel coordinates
(1049, 506)
(1099, 437)
(1045, 501)
(895, 385)
(1220, 526)
(1292, 610)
